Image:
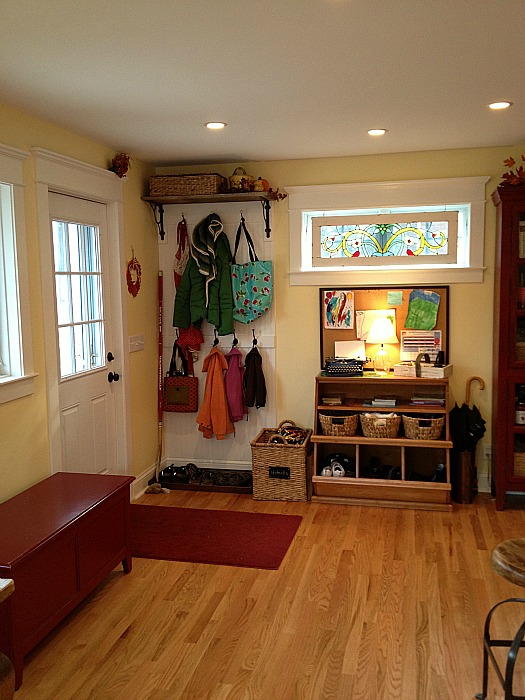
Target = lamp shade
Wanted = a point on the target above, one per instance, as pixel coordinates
(382, 331)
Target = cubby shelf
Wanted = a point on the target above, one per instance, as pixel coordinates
(415, 460)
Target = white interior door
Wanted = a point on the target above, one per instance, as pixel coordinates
(87, 372)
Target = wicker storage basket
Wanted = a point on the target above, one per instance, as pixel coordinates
(175, 185)
(344, 425)
(519, 464)
(380, 425)
(280, 471)
(423, 428)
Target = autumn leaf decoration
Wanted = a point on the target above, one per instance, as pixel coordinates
(120, 164)
(514, 175)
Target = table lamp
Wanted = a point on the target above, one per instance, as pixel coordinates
(382, 331)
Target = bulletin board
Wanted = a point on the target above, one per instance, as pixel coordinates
(343, 325)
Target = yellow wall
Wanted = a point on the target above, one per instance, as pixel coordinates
(297, 318)
(25, 447)
(24, 451)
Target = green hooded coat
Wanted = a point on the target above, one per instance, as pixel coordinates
(205, 290)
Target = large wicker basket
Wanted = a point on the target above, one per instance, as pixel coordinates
(176, 185)
(281, 472)
(343, 425)
(380, 425)
(423, 428)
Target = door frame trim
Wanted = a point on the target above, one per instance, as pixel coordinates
(63, 175)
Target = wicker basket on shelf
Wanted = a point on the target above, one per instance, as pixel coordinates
(423, 428)
(180, 185)
(519, 464)
(280, 470)
(380, 425)
(342, 425)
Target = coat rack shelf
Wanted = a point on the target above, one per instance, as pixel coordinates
(157, 204)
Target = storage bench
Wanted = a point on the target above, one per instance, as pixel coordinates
(60, 539)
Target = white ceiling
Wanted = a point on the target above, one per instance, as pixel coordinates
(292, 78)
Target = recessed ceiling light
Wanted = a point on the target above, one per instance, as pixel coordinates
(216, 125)
(377, 132)
(500, 105)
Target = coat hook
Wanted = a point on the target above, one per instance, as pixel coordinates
(234, 341)
(254, 341)
(216, 341)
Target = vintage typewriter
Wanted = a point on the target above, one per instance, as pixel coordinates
(344, 367)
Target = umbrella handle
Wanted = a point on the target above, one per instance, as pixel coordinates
(469, 382)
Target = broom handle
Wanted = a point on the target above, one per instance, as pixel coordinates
(160, 379)
(160, 298)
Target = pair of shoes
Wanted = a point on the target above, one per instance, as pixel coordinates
(167, 473)
(207, 478)
(344, 461)
(335, 469)
(194, 473)
(221, 478)
(374, 469)
(440, 474)
(392, 472)
(174, 475)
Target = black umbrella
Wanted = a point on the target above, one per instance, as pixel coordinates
(467, 427)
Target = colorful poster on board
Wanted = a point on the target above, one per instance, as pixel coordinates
(338, 309)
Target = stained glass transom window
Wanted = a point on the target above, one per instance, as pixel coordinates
(422, 204)
(389, 239)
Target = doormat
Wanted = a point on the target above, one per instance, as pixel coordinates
(224, 537)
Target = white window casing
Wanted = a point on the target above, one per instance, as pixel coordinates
(311, 203)
(17, 376)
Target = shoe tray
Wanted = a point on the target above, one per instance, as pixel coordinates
(204, 487)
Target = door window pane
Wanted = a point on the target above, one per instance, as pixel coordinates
(78, 284)
(65, 344)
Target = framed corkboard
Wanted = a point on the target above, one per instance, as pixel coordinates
(341, 317)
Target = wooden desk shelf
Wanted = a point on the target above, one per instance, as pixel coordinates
(414, 460)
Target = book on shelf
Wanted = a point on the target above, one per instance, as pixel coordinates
(332, 400)
(427, 400)
(384, 401)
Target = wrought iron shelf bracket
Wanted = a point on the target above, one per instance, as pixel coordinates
(158, 214)
(157, 204)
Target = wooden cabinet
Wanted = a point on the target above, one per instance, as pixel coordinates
(387, 471)
(508, 420)
(61, 538)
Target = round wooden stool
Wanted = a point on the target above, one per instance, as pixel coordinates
(508, 560)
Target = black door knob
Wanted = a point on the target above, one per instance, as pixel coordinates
(113, 377)
(110, 357)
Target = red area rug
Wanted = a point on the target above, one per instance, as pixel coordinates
(225, 537)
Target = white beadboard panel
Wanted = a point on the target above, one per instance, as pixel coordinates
(183, 442)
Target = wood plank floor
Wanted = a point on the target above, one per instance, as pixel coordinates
(369, 604)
